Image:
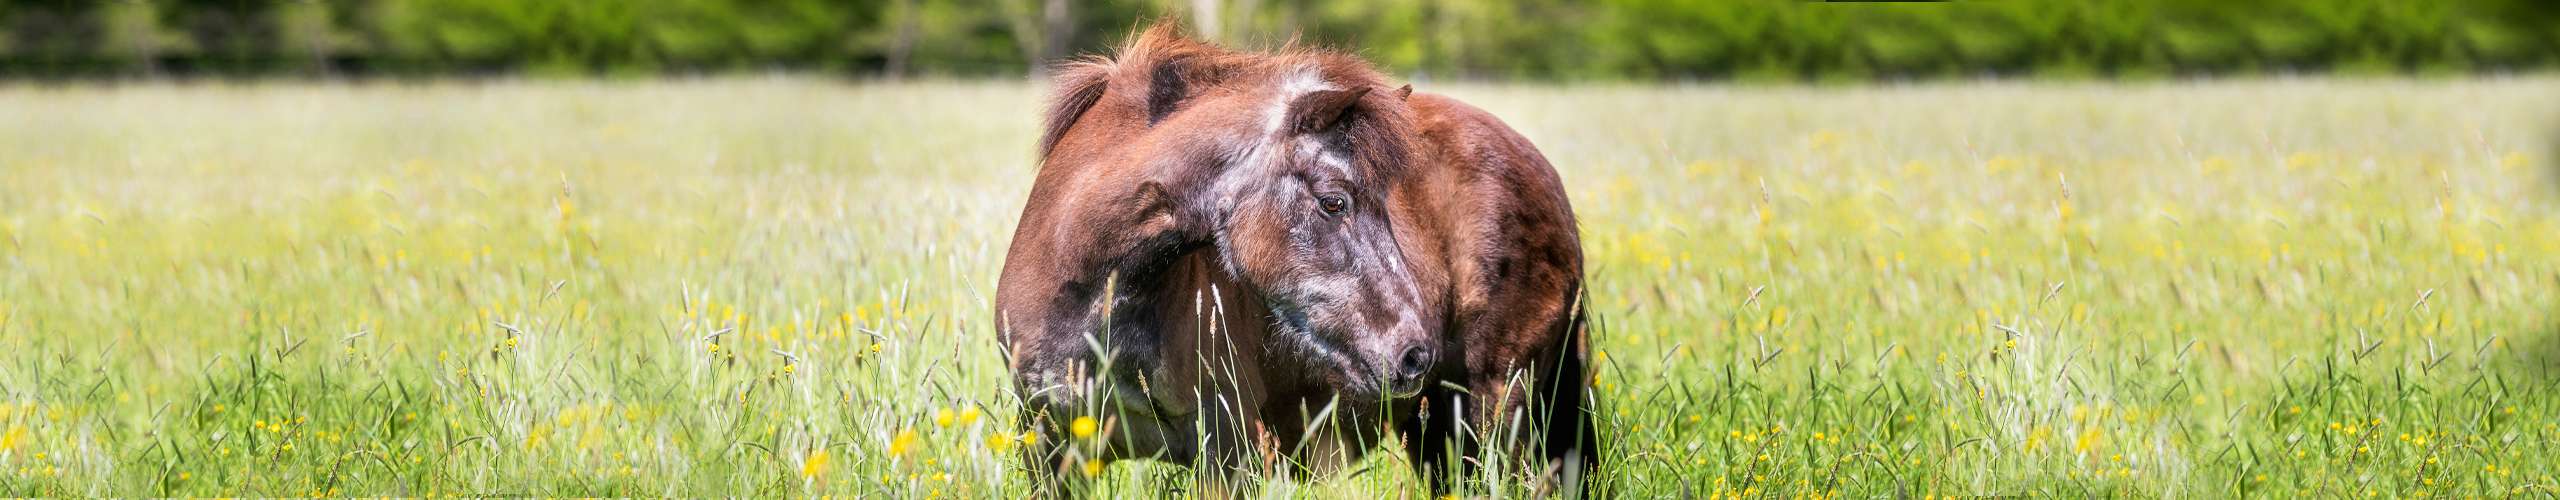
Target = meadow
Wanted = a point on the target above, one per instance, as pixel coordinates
(780, 287)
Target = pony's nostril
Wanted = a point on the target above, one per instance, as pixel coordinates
(1416, 360)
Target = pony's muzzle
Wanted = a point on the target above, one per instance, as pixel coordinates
(1410, 369)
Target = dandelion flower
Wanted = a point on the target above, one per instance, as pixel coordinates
(9, 440)
(1084, 426)
(904, 442)
(815, 465)
(1092, 468)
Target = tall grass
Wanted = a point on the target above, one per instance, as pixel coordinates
(781, 287)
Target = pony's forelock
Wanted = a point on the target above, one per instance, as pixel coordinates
(1376, 128)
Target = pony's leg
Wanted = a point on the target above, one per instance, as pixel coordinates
(1539, 424)
(1565, 433)
(1567, 407)
(1547, 425)
(1227, 455)
(1433, 441)
(1221, 480)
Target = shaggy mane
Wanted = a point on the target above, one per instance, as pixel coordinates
(1160, 68)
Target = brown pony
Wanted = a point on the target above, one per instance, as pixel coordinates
(1265, 261)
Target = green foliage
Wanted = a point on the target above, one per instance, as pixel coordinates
(2114, 37)
(777, 287)
(1539, 39)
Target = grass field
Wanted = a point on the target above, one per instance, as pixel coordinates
(2267, 288)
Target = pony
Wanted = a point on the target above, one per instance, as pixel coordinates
(1268, 261)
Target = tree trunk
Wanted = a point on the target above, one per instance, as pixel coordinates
(903, 14)
(1239, 23)
(1205, 18)
(1290, 13)
(1057, 32)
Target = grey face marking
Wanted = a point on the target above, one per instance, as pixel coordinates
(1298, 83)
(1337, 283)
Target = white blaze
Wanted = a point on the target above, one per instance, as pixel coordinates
(1297, 83)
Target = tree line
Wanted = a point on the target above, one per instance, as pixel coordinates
(1523, 39)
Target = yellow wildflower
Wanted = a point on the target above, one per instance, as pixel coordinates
(10, 440)
(814, 465)
(905, 441)
(1084, 426)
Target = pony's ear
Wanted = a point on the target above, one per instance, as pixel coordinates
(1157, 211)
(1151, 203)
(1169, 66)
(1165, 89)
(1320, 109)
(1405, 92)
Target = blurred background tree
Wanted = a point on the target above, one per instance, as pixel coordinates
(1782, 40)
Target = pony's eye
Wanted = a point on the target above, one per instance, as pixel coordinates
(1332, 204)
